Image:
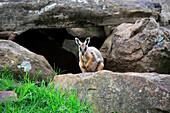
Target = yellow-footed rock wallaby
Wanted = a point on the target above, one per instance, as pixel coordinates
(90, 58)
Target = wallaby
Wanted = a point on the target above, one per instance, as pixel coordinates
(90, 58)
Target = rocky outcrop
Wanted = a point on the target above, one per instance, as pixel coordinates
(140, 47)
(8, 96)
(21, 60)
(120, 92)
(25, 14)
(97, 32)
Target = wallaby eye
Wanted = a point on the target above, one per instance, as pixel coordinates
(85, 49)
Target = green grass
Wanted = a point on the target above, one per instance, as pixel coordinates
(38, 97)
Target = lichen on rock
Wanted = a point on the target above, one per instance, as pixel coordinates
(21, 60)
(26, 65)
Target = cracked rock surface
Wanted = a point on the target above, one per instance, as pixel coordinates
(16, 15)
(120, 92)
(140, 47)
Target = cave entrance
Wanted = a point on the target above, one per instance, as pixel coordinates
(56, 45)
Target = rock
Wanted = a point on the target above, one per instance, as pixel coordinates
(9, 35)
(140, 47)
(70, 45)
(120, 92)
(5, 34)
(13, 35)
(165, 31)
(108, 30)
(165, 12)
(7, 95)
(23, 15)
(87, 32)
(21, 60)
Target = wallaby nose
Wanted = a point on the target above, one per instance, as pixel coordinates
(82, 53)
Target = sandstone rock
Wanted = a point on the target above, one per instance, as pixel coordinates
(13, 35)
(70, 45)
(21, 60)
(7, 95)
(120, 92)
(87, 32)
(26, 14)
(140, 47)
(5, 34)
(109, 29)
(165, 12)
(9, 35)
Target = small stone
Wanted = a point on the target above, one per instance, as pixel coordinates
(6, 95)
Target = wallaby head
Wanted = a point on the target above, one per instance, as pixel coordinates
(83, 46)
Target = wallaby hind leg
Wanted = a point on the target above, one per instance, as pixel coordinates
(100, 66)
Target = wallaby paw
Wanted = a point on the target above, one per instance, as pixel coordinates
(83, 67)
(87, 66)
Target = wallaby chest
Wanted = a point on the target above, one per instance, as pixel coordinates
(84, 58)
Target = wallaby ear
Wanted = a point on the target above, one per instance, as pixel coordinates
(87, 41)
(77, 41)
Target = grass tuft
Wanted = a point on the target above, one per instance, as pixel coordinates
(33, 98)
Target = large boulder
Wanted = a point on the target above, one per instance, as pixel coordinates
(140, 47)
(120, 92)
(25, 14)
(20, 60)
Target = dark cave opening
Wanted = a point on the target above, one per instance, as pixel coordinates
(49, 43)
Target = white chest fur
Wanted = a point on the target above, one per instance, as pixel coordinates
(84, 58)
